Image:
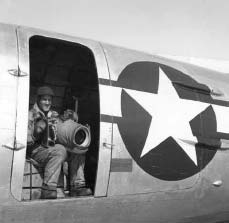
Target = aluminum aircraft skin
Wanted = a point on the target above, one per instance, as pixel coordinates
(164, 138)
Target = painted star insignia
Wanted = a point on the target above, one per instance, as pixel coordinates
(170, 116)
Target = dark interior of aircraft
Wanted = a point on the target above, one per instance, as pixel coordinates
(70, 70)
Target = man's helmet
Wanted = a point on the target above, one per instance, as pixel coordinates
(44, 90)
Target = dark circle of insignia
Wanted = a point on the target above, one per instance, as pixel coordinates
(167, 161)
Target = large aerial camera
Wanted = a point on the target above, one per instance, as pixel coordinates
(73, 135)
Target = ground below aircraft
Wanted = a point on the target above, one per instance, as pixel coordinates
(159, 131)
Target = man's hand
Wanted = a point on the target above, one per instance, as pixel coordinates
(39, 128)
(70, 114)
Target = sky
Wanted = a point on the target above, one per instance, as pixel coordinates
(189, 28)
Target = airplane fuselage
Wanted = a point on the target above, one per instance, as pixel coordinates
(160, 131)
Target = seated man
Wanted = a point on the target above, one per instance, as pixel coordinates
(42, 147)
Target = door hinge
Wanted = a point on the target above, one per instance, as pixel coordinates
(17, 72)
(108, 145)
(16, 147)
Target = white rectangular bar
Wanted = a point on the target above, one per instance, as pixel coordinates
(110, 100)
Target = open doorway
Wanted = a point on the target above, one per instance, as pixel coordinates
(70, 70)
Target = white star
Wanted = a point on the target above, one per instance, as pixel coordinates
(170, 116)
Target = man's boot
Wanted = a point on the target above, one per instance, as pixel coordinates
(48, 192)
(80, 191)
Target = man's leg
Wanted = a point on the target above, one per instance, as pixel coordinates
(51, 159)
(77, 179)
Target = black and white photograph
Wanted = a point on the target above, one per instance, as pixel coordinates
(114, 111)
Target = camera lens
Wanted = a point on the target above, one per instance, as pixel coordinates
(80, 137)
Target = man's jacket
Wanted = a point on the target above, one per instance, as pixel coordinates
(48, 137)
